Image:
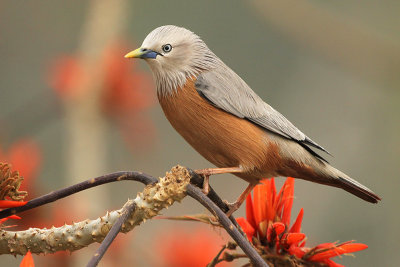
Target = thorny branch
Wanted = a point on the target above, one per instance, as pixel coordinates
(155, 197)
(55, 195)
(115, 229)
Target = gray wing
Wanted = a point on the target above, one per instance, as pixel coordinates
(227, 91)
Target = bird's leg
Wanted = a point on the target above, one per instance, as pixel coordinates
(206, 184)
(239, 201)
(206, 173)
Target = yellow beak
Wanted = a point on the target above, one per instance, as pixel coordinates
(143, 53)
(135, 53)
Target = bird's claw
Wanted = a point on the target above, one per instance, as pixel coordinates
(232, 207)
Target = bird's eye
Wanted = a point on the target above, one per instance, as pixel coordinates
(167, 48)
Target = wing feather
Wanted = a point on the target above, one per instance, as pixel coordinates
(227, 91)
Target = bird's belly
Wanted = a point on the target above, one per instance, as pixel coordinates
(222, 138)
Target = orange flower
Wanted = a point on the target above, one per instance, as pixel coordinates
(9, 217)
(267, 223)
(125, 91)
(125, 88)
(195, 248)
(4, 204)
(27, 261)
(67, 77)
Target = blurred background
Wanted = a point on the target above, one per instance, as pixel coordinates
(73, 108)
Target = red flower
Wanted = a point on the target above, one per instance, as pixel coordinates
(124, 90)
(4, 204)
(67, 77)
(267, 225)
(196, 248)
(9, 217)
(27, 261)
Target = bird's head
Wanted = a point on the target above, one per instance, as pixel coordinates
(174, 55)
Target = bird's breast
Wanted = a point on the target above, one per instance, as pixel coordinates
(222, 138)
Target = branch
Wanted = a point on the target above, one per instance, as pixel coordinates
(149, 203)
(115, 229)
(53, 196)
(240, 239)
(155, 197)
(198, 181)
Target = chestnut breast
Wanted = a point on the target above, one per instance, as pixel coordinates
(222, 138)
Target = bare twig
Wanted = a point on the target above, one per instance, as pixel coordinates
(243, 243)
(115, 229)
(216, 259)
(53, 196)
(198, 181)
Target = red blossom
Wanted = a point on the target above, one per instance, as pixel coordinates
(67, 77)
(125, 88)
(329, 250)
(196, 248)
(125, 91)
(4, 204)
(268, 221)
(247, 227)
(15, 217)
(27, 261)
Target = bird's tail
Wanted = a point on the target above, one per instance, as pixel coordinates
(343, 181)
(358, 189)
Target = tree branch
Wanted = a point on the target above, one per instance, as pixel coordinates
(115, 229)
(149, 203)
(155, 197)
(198, 181)
(245, 245)
(53, 196)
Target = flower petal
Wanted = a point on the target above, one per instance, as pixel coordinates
(247, 228)
(11, 204)
(260, 201)
(297, 224)
(270, 207)
(274, 230)
(297, 251)
(27, 261)
(287, 199)
(10, 217)
(331, 263)
(337, 250)
(279, 228)
(250, 211)
(294, 238)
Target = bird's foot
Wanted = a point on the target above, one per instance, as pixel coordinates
(232, 207)
(206, 184)
(236, 205)
(206, 173)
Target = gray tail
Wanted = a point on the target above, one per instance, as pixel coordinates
(341, 180)
(357, 189)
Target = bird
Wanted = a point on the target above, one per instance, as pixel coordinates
(225, 121)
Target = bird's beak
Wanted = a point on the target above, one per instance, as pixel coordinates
(142, 53)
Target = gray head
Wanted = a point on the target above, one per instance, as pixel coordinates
(174, 55)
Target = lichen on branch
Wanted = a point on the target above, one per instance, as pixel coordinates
(149, 203)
